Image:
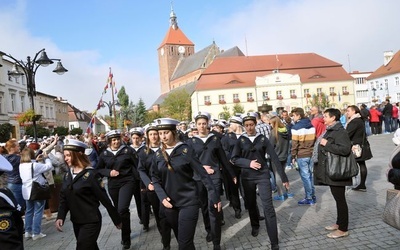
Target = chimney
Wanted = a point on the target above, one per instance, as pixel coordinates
(387, 56)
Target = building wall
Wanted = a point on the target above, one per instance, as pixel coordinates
(61, 112)
(382, 87)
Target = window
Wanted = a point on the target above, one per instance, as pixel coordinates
(396, 80)
(12, 95)
(386, 83)
(42, 110)
(279, 94)
(51, 112)
(344, 89)
(292, 92)
(207, 98)
(397, 96)
(319, 91)
(22, 103)
(307, 93)
(360, 80)
(361, 93)
(47, 112)
(331, 89)
(1, 103)
(265, 95)
(249, 95)
(221, 97)
(235, 96)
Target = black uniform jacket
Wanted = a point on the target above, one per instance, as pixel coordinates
(125, 160)
(178, 184)
(81, 196)
(11, 224)
(245, 151)
(212, 154)
(145, 162)
(339, 144)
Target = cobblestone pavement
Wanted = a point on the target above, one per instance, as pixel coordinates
(300, 227)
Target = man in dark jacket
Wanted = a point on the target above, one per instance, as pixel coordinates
(387, 116)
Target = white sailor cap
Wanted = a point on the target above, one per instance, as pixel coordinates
(166, 123)
(182, 123)
(249, 116)
(136, 131)
(150, 126)
(221, 123)
(5, 165)
(75, 145)
(113, 133)
(236, 119)
(204, 115)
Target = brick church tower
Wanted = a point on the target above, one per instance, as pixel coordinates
(174, 46)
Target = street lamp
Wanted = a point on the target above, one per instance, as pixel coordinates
(110, 106)
(29, 69)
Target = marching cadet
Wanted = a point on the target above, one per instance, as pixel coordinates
(119, 163)
(81, 194)
(208, 149)
(136, 135)
(172, 176)
(249, 154)
(149, 197)
(11, 223)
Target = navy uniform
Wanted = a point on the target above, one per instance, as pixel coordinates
(210, 152)
(247, 149)
(11, 223)
(172, 176)
(81, 195)
(232, 189)
(121, 187)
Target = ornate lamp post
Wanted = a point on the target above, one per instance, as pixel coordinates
(29, 69)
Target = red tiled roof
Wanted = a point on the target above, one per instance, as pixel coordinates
(236, 72)
(392, 67)
(175, 36)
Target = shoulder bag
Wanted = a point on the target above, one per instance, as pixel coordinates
(340, 167)
(39, 191)
(391, 213)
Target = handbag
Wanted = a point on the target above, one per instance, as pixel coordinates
(357, 150)
(39, 191)
(391, 212)
(340, 167)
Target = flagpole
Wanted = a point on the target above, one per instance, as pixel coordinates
(113, 102)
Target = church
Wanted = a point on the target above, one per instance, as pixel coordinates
(219, 79)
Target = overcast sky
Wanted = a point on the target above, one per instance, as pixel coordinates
(92, 35)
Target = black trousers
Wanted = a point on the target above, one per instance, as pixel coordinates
(149, 198)
(183, 221)
(121, 196)
(375, 128)
(363, 173)
(86, 235)
(211, 217)
(138, 198)
(342, 220)
(264, 190)
(165, 228)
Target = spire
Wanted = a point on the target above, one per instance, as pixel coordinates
(172, 18)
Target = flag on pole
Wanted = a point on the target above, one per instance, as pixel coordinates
(90, 125)
(115, 92)
(339, 96)
(105, 89)
(110, 78)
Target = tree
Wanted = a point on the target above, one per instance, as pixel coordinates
(238, 109)
(151, 116)
(60, 131)
(76, 131)
(40, 131)
(123, 97)
(321, 101)
(225, 114)
(177, 105)
(5, 132)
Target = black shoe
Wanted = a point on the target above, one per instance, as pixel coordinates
(254, 232)
(361, 189)
(126, 244)
(275, 247)
(209, 237)
(261, 218)
(140, 222)
(217, 247)
(167, 248)
(222, 222)
(145, 228)
(238, 214)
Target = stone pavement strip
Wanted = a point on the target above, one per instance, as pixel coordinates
(300, 227)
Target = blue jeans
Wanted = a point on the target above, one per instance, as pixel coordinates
(306, 167)
(16, 189)
(33, 216)
(367, 128)
(388, 123)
